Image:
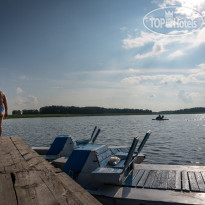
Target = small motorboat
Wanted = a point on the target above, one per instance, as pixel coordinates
(160, 117)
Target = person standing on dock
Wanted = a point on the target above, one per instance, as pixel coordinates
(3, 105)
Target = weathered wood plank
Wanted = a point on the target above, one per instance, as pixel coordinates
(150, 179)
(200, 181)
(10, 168)
(163, 180)
(7, 193)
(160, 181)
(77, 191)
(137, 178)
(58, 190)
(171, 181)
(143, 179)
(156, 182)
(130, 178)
(193, 183)
(203, 176)
(178, 182)
(2, 170)
(185, 181)
(31, 189)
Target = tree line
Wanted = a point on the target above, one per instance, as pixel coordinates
(80, 110)
(194, 110)
(100, 110)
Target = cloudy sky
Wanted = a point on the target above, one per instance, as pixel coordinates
(98, 53)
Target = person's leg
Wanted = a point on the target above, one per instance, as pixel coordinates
(1, 119)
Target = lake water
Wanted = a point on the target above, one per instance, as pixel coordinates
(179, 140)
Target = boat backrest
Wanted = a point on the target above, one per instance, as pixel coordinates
(57, 145)
(95, 137)
(129, 157)
(144, 141)
(69, 146)
(103, 156)
(93, 133)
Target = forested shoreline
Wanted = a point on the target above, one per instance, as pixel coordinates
(79, 110)
(72, 110)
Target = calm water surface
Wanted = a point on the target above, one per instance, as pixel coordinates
(179, 140)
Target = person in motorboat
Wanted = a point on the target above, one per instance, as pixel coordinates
(158, 117)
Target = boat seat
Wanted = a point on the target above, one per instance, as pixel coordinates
(62, 146)
(114, 175)
(92, 138)
(117, 173)
(57, 145)
(123, 155)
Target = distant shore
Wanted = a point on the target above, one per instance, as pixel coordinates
(70, 115)
(84, 115)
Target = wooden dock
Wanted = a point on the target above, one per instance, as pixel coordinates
(27, 179)
(152, 184)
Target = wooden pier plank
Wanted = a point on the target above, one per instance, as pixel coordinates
(203, 175)
(193, 183)
(130, 178)
(150, 179)
(137, 178)
(200, 181)
(185, 181)
(178, 182)
(7, 193)
(77, 191)
(171, 180)
(163, 180)
(143, 179)
(156, 182)
(60, 193)
(31, 189)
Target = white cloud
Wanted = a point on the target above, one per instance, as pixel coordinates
(19, 90)
(185, 96)
(176, 54)
(164, 43)
(156, 50)
(159, 79)
(139, 41)
(196, 75)
(197, 5)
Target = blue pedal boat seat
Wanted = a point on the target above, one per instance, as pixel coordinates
(62, 146)
(78, 158)
(118, 173)
(57, 145)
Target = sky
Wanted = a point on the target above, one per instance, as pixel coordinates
(99, 53)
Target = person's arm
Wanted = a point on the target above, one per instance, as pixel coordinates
(6, 106)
